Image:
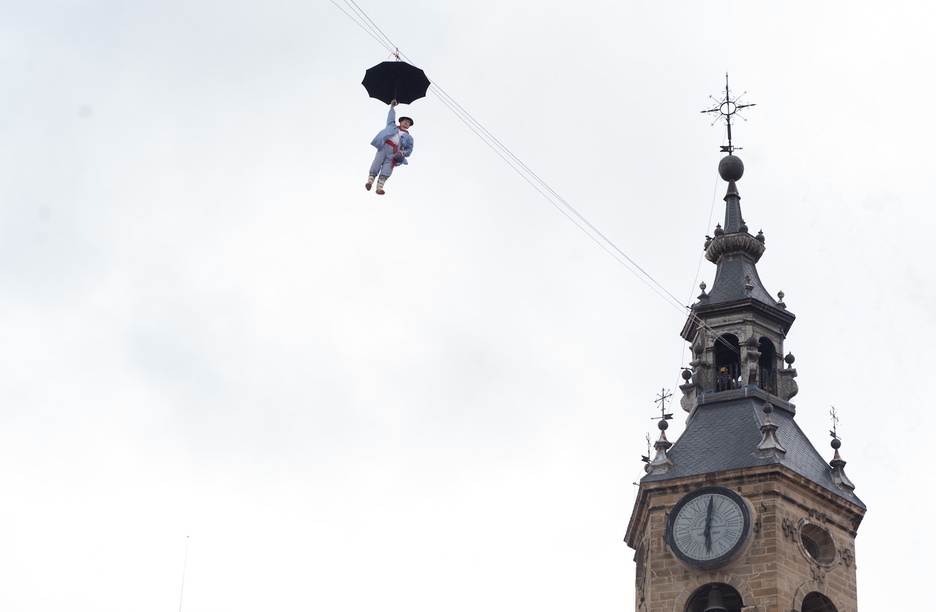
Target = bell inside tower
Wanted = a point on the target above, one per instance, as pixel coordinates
(715, 597)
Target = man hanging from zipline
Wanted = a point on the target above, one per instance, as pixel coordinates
(394, 144)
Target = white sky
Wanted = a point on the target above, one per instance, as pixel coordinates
(434, 400)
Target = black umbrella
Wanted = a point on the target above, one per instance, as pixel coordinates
(388, 81)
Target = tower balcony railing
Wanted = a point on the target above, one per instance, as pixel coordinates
(767, 380)
(729, 377)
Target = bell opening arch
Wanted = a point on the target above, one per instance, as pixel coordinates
(817, 602)
(767, 366)
(715, 596)
(727, 352)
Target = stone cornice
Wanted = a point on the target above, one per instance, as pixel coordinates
(650, 494)
(702, 312)
(738, 242)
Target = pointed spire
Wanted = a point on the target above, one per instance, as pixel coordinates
(731, 169)
(735, 251)
(733, 237)
(838, 470)
(661, 462)
(770, 446)
(837, 463)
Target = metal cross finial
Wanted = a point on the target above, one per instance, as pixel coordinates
(835, 419)
(726, 109)
(646, 458)
(661, 400)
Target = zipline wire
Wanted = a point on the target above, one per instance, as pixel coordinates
(365, 22)
(554, 198)
(564, 207)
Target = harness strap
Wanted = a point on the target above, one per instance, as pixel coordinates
(396, 148)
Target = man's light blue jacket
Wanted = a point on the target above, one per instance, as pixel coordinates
(406, 141)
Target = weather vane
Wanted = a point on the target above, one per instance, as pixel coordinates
(661, 400)
(726, 109)
(835, 419)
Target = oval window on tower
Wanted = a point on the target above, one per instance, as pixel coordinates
(817, 542)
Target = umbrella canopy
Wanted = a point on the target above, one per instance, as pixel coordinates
(388, 81)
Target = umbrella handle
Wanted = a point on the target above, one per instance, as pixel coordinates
(396, 54)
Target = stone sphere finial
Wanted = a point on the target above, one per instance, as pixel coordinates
(836, 443)
(730, 168)
(789, 359)
(662, 424)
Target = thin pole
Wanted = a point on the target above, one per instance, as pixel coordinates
(184, 562)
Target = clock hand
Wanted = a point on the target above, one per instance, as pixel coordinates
(708, 526)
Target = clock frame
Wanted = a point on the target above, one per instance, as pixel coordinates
(708, 526)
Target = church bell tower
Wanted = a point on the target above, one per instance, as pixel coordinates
(742, 512)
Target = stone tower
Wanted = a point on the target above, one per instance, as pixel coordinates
(742, 512)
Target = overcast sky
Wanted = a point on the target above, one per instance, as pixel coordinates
(217, 349)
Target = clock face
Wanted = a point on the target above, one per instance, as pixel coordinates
(708, 526)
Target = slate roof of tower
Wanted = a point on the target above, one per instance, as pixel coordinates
(736, 276)
(723, 433)
(730, 280)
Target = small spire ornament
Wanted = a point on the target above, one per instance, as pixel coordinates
(838, 464)
(770, 446)
(661, 462)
